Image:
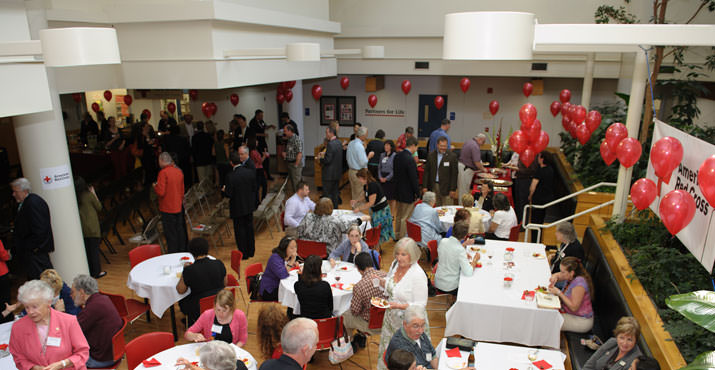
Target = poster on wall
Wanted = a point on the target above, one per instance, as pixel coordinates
(699, 235)
(337, 108)
(346, 112)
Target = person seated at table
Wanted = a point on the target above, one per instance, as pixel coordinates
(476, 226)
(223, 322)
(412, 338)
(271, 320)
(279, 263)
(461, 215)
(205, 277)
(619, 351)
(215, 355)
(427, 218)
(453, 260)
(99, 320)
(376, 202)
(645, 363)
(503, 219)
(63, 301)
(321, 226)
(350, 247)
(486, 196)
(297, 206)
(33, 345)
(299, 340)
(570, 246)
(401, 360)
(314, 295)
(358, 316)
(575, 297)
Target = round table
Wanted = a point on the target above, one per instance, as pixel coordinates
(6, 362)
(448, 218)
(149, 280)
(341, 298)
(350, 216)
(191, 352)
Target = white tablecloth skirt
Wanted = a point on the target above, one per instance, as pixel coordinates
(6, 363)
(499, 356)
(191, 353)
(341, 298)
(148, 280)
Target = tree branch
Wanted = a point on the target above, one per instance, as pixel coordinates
(702, 5)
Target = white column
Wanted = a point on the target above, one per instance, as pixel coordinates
(295, 110)
(587, 81)
(635, 108)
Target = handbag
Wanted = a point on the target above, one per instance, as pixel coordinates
(340, 347)
(254, 283)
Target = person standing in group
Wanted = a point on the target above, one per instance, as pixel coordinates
(170, 189)
(357, 160)
(438, 133)
(407, 185)
(186, 128)
(376, 202)
(258, 159)
(440, 174)
(331, 161)
(179, 146)
(33, 231)
(285, 120)
(541, 191)
(202, 146)
(259, 128)
(402, 139)
(293, 156)
(5, 286)
(376, 146)
(241, 188)
(242, 132)
(222, 164)
(386, 174)
(470, 162)
(522, 183)
(89, 205)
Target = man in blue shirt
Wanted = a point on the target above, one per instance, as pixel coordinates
(425, 215)
(440, 132)
(357, 160)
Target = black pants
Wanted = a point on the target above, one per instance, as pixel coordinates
(5, 297)
(223, 170)
(245, 239)
(267, 166)
(37, 262)
(537, 217)
(174, 231)
(262, 183)
(521, 198)
(492, 236)
(331, 190)
(91, 247)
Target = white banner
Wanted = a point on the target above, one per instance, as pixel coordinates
(56, 177)
(699, 235)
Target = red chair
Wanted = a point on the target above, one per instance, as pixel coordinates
(372, 237)
(206, 303)
(129, 309)
(309, 247)
(252, 270)
(283, 224)
(374, 324)
(118, 346)
(414, 231)
(147, 345)
(438, 293)
(326, 331)
(514, 233)
(433, 256)
(236, 257)
(143, 253)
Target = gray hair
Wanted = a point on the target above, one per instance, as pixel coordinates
(297, 333)
(567, 230)
(218, 355)
(85, 283)
(414, 312)
(362, 131)
(482, 136)
(243, 149)
(408, 245)
(429, 197)
(166, 158)
(22, 183)
(35, 289)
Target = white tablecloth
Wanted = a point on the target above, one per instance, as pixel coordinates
(148, 280)
(348, 215)
(448, 218)
(191, 352)
(341, 298)
(6, 363)
(499, 356)
(485, 310)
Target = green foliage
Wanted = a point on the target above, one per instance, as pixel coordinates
(698, 306)
(705, 361)
(608, 13)
(685, 94)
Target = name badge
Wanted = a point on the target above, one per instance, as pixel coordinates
(384, 160)
(563, 254)
(446, 164)
(428, 356)
(216, 329)
(622, 363)
(54, 341)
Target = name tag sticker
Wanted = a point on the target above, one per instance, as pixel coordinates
(446, 164)
(384, 160)
(622, 363)
(54, 341)
(216, 329)
(428, 356)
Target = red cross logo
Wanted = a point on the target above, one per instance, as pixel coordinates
(47, 179)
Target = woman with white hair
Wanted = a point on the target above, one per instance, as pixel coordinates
(214, 355)
(46, 338)
(405, 285)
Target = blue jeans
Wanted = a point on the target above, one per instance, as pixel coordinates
(92, 363)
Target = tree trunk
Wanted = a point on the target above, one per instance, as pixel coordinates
(659, 8)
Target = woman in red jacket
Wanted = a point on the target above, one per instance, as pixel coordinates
(5, 286)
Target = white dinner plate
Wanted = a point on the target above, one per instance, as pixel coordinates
(456, 363)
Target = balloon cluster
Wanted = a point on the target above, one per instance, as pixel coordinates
(574, 118)
(529, 140)
(209, 109)
(617, 145)
(285, 94)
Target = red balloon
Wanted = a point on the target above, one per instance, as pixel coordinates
(677, 209)
(344, 83)
(439, 102)
(464, 84)
(555, 108)
(565, 108)
(213, 108)
(527, 89)
(582, 133)
(527, 114)
(291, 84)
(95, 107)
(289, 96)
(128, 99)
(280, 98)
(615, 133)
(532, 131)
(284, 86)
(77, 97)
(193, 94)
(565, 122)
(493, 107)
(571, 111)
(234, 99)
(607, 154)
(643, 193)
(206, 109)
(527, 156)
(171, 107)
(706, 179)
(518, 141)
(317, 92)
(565, 95)
(541, 142)
(107, 95)
(406, 86)
(147, 112)
(572, 128)
(579, 114)
(665, 156)
(593, 120)
(372, 100)
(628, 151)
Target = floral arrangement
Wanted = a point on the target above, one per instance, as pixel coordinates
(498, 144)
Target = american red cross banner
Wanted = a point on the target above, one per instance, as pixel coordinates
(699, 235)
(56, 177)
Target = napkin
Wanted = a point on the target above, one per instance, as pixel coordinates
(185, 258)
(543, 365)
(337, 285)
(344, 268)
(454, 352)
(3, 347)
(528, 293)
(295, 268)
(151, 363)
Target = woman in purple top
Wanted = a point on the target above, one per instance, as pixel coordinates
(575, 299)
(281, 261)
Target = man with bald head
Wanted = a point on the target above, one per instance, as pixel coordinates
(470, 162)
(242, 189)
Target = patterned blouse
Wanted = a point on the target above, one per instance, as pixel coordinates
(325, 229)
(293, 147)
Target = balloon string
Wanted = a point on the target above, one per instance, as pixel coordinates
(650, 85)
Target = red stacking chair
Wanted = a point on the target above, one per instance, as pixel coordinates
(147, 345)
(206, 303)
(433, 256)
(118, 346)
(129, 309)
(374, 324)
(236, 257)
(252, 270)
(414, 231)
(326, 331)
(143, 253)
(308, 247)
(372, 237)
(514, 233)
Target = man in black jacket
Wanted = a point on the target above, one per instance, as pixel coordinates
(407, 185)
(33, 232)
(242, 188)
(298, 341)
(332, 166)
(177, 144)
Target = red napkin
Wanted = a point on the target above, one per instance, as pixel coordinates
(195, 363)
(454, 352)
(510, 249)
(295, 268)
(543, 365)
(508, 279)
(3, 347)
(185, 258)
(528, 293)
(344, 268)
(337, 285)
(151, 363)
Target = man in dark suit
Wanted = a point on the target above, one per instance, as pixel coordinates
(177, 144)
(33, 232)
(441, 171)
(242, 188)
(407, 184)
(332, 163)
(242, 132)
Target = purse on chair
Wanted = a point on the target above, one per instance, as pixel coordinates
(340, 347)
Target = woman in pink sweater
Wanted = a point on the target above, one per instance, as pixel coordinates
(223, 322)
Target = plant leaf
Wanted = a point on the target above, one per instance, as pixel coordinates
(704, 361)
(698, 306)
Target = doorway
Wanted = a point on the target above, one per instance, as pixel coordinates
(429, 116)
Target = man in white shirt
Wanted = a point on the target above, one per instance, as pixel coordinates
(453, 260)
(297, 207)
(357, 159)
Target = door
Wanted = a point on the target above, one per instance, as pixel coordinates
(429, 116)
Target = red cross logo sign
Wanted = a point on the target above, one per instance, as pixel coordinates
(47, 180)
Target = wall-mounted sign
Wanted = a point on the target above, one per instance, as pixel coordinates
(55, 177)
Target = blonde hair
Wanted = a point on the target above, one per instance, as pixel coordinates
(408, 245)
(356, 228)
(627, 325)
(53, 279)
(225, 298)
(467, 200)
